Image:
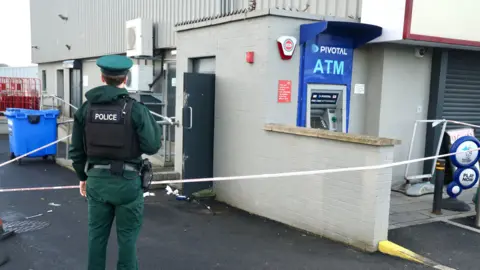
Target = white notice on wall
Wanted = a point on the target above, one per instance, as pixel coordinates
(174, 82)
(85, 81)
(359, 89)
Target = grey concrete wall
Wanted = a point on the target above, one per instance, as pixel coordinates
(358, 102)
(406, 88)
(373, 91)
(397, 95)
(350, 207)
(230, 42)
(274, 68)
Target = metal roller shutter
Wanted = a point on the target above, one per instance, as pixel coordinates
(462, 89)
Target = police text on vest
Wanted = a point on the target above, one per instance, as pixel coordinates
(106, 116)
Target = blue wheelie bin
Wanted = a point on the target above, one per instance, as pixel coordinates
(32, 129)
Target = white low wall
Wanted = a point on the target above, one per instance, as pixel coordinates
(351, 207)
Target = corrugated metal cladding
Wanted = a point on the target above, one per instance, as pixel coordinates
(332, 8)
(462, 88)
(92, 27)
(72, 29)
(19, 72)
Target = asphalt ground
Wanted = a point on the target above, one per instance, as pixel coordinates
(468, 221)
(442, 242)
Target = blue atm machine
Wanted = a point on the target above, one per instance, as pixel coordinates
(326, 67)
(326, 105)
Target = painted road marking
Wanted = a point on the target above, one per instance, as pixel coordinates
(462, 226)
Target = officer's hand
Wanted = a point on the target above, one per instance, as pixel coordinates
(83, 188)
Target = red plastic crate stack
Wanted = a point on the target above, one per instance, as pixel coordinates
(23, 93)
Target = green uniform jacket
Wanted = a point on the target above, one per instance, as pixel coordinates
(149, 132)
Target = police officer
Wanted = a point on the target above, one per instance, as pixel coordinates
(110, 133)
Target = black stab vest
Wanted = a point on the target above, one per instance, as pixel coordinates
(109, 131)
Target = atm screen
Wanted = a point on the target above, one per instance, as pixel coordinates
(324, 98)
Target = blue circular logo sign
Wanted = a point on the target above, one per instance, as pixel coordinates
(453, 189)
(466, 177)
(464, 158)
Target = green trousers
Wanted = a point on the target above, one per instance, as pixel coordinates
(113, 197)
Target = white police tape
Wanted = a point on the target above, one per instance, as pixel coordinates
(37, 188)
(303, 173)
(29, 153)
(244, 177)
(34, 151)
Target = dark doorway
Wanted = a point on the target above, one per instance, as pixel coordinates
(60, 84)
(75, 89)
(61, 89)
(198, 129)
